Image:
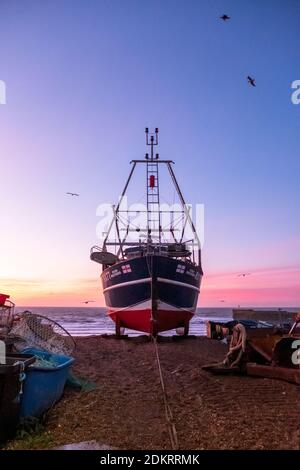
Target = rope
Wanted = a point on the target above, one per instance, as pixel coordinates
(237, 346)
(168, 411)
(22, 375)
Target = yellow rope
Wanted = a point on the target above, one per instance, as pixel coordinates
(237, 345)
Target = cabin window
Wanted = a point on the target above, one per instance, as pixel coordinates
(180, 268)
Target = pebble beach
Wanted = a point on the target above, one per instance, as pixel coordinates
(126, 410)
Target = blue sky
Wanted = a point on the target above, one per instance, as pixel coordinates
(83, 80)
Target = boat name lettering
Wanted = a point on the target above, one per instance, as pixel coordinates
(191, 272)
(115, 272)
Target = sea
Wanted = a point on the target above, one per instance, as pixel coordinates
(88, 321)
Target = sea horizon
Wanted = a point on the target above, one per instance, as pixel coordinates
(269, 307)
(90, 321)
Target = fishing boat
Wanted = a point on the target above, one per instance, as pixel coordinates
(151, 274)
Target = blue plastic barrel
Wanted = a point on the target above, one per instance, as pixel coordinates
(44, 386)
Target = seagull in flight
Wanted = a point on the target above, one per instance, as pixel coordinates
(244, 274)
(88, 301)
(222, 300)
(72, 194)
(225, 17)
(251, 81)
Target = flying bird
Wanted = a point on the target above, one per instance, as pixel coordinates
(222, 300)
(88, 301)
(251, 81)
(244, 274)
(225, 17)
(72, 194)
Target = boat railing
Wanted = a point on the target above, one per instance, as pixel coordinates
(95, 248)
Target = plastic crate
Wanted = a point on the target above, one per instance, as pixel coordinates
(44, 386)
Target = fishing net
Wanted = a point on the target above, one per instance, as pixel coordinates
(40, 332)
(80, 383)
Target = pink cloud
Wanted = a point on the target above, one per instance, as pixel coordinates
(263, 287)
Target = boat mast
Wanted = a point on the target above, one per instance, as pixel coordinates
(153, 229)
(153, 201)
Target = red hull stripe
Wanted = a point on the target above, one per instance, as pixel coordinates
(140, 320)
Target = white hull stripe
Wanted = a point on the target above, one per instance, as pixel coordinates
(177, 283)
(129, 283)
(146, 305)
(148, 279)
(140, 306)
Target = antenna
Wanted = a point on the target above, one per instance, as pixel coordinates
(153, 141)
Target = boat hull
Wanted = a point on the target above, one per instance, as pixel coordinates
(152, 293)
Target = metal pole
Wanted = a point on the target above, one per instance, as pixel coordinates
(185, 209)
(119, 203)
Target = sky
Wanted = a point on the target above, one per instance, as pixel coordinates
(83, 79)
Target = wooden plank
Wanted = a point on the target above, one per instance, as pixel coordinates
(272, 372)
